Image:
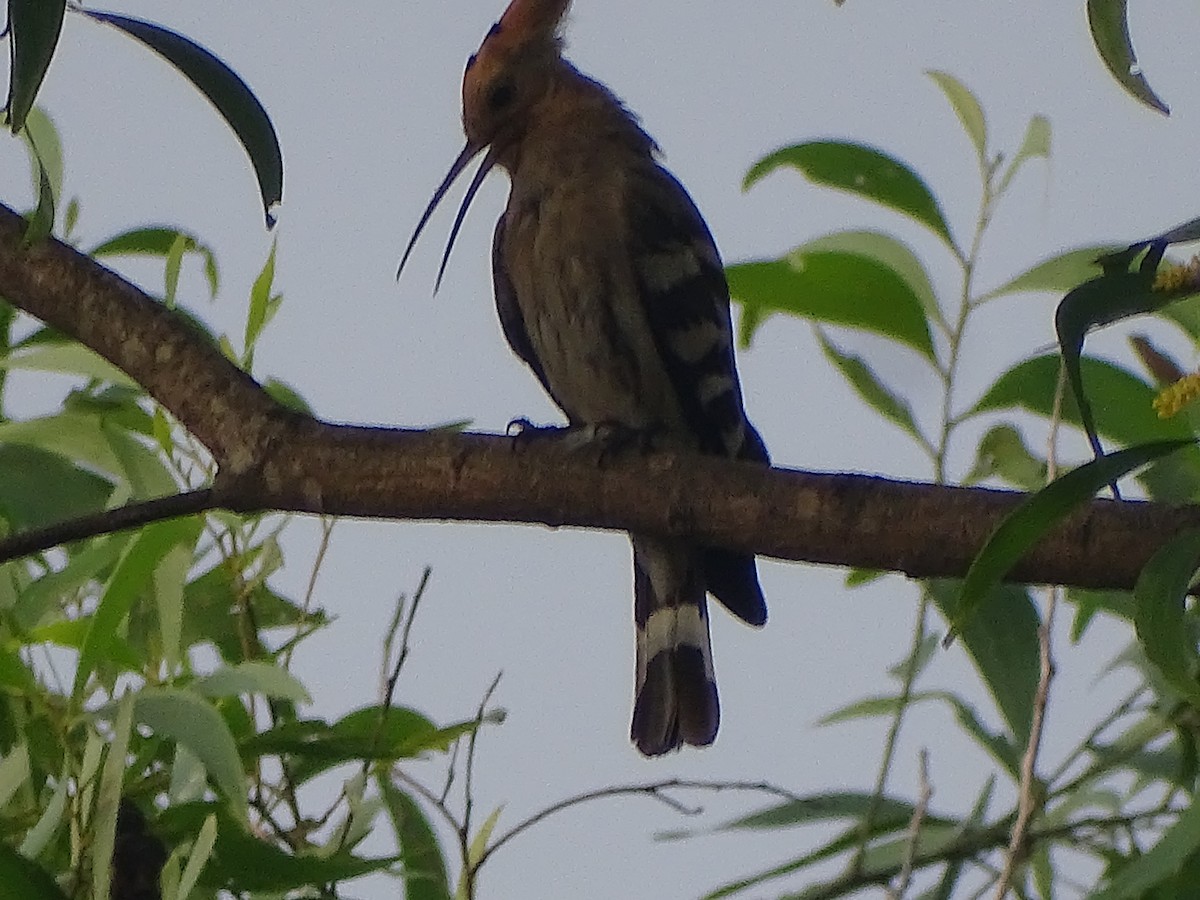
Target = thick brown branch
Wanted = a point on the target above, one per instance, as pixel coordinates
(280, 460)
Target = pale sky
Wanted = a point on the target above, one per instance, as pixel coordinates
(365, 98)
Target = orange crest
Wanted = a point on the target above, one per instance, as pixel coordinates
(529, 18)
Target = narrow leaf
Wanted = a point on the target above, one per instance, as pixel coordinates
(1162, 625)
(26, 879)
(1109, 23)
(201, 850)
(130, 578)
(1057, 274)
(425, 876)
(867, 385)
(1025, 525)
(103, 825)
(968, 110)
(33, 28)
(1161, 862)
(261, 307)
(14, 771)
(192, 721)
(159, 241)
(1035, 143)
(1001, 637)
(861, 170)
(253, 677)
(230, 95)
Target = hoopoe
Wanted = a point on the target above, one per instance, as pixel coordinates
(609, 286)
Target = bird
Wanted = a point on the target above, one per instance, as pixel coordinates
(609, 286)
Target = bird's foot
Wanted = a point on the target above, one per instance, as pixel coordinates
(522, 431)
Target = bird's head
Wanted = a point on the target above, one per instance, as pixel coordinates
(505, 78)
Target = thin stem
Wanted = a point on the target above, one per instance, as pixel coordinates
(924, 795)
(1031, 794)
(954, 339)
(327, 524)
(656, 790)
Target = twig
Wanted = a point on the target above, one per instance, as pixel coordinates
(109, 521)
(924, 795)
(327, 523)
(655, 790)
(1032, 794)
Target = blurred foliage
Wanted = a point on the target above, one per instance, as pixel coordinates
(1128, 782)
(151, 735)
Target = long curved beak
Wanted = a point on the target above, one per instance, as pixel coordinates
(468, 153)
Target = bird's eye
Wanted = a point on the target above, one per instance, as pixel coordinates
(501, 95)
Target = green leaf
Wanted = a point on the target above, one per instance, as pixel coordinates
(425, 876)
(171, 269)
(33, 29)
(45, 150)
(1126, 415)
(889, 252)
(1003, 750)
(170, 577)
(859, 577)
(14, 772)
(202, 849)
(39, 488)
(227, 92)
(40, 222)
(834, 288)
(363, 734)
(192, 721)
(255, 865)
(1002, 454)
(15, 676)
(41, 600)
(103, 824)
(66, 358)
(823, 807)
(869, 388)
(26, 879)
(1109, 23)
(480, 841)
(160, 241)
(1001, 636)
(262, 306)
(1035, 143)
(1161, 862)
(1025, 525)
(286, 395)
(1057, 274)
(39, 836)
(861, 170)
(1089, 602)
(253, 677)
(968, 110)
(129, 579)
(1162, 623)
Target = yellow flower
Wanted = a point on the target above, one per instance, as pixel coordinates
(1176, 278)
(1174, 397)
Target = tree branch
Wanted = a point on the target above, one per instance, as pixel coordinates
(272, 458)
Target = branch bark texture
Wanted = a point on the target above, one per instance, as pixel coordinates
(273, 458)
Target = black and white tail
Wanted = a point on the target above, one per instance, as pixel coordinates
(676, 689)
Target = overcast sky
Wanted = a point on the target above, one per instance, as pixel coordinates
(365, 98)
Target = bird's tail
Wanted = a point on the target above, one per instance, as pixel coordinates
(676, 693)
